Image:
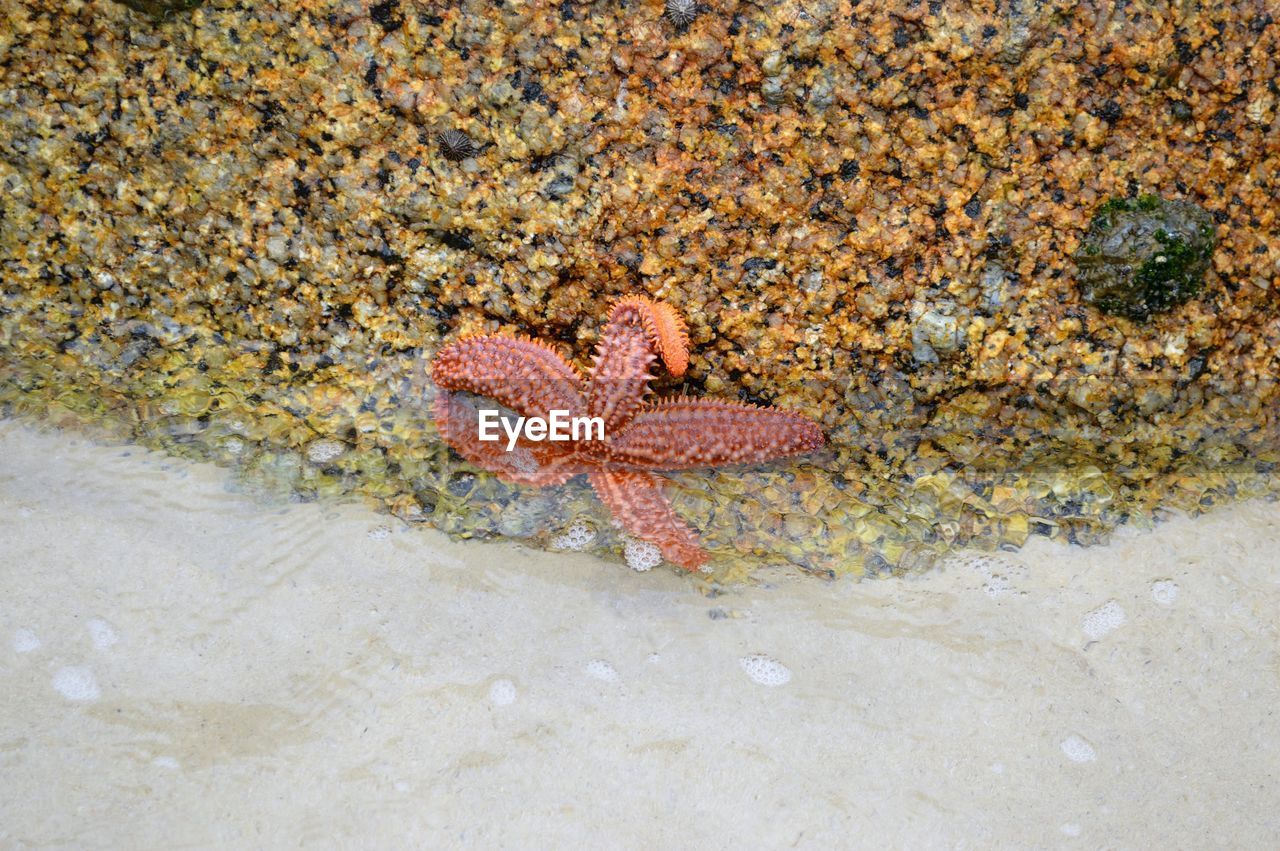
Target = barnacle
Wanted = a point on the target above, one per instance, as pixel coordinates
(456, 145)
(681, 13)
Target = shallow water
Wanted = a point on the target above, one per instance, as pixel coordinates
(228, 670)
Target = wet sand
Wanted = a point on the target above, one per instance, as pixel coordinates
(183, 664)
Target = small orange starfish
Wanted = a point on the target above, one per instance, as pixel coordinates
(531, 379)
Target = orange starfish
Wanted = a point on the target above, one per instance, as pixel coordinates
(531, 379)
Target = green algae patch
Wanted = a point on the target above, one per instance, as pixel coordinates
(1144, 256)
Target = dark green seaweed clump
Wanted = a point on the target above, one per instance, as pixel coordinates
(161, 8)
(1144, 255)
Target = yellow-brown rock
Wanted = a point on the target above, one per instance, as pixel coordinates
(236, 232)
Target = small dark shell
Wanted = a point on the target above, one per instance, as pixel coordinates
(680, 12)
(456, 145)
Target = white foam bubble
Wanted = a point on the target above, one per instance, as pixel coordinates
(576, 538)
(76, 683)
(380, 533)
(1164, 591)
(102, 634)
(999, 575)
(1102, 620)
(765, 671)
(1078, 750)
(323, 451)
(642, 555)
(502, 693)
(165, 762)
(25, 640)
(602, 670)
(1070, 829)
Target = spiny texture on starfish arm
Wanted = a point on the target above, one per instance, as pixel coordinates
(638, 332)
(635, 499)
(620, 376)
(682, 434)
(538, 463)
(532, 379)
(663, 326)
(525, 375)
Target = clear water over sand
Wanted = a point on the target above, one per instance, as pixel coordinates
(186, 665)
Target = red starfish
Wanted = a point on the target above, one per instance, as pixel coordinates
(531, 379)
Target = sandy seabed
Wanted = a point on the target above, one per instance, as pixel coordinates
(182, 664)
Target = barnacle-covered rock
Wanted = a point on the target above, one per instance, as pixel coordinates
(456, 145)
(1143, 256)
(241, 239)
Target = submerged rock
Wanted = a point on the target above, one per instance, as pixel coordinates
(1144, 255)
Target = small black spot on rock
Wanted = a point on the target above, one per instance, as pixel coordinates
(1110, 112)
(532, 91)
(460, 483)
(461, 240)
(383, 14)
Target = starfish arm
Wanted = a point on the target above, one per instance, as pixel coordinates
(529, 463)
(683, 433)
(638, 331)
(524, 375)
(662, 326)
(619, 376)
(635, 500)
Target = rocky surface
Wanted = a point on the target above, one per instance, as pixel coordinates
(243, 229)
